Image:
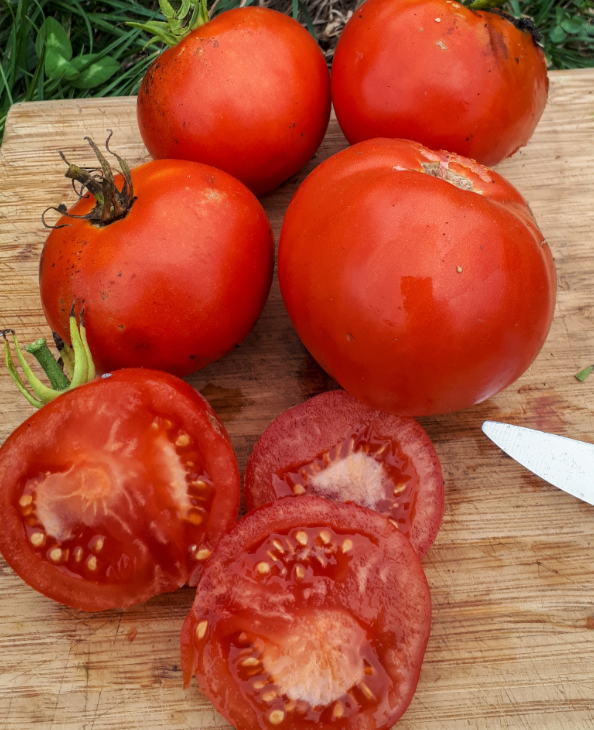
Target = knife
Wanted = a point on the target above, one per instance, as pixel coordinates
(565, 463)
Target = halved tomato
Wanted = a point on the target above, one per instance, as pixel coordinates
(336, 447)
(116, 491)
(310, 613)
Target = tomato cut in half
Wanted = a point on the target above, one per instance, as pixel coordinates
(310, 613)
(336, 447)
(116, 491)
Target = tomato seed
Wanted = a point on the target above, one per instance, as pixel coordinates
(263, 568)
(276, 717)
(37, 539)
(202, 554)
(298, 489)
(182, 440)
(325, 536)
(25, 500)
(201, 629)
(366, 691)
(337, 711)
(347, 545)
(55, 555)
(279, 546)
(92, 563)
(269, 696)
(195, 517)
(301, 537)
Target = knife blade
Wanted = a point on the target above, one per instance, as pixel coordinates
(565, 463)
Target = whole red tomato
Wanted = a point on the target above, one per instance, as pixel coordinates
(116, 491)
(173, 285)
(418, 280)
(439, 73)
(248, 92)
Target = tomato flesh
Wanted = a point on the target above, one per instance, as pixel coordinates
(309, 613)
(114, 492)
(335, 447)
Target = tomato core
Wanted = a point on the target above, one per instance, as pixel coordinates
(364, 467)
(78, 513)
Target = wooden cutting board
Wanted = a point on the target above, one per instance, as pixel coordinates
(512, 570)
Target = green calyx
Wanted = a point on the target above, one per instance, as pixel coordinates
(76, 360)
(191, 14)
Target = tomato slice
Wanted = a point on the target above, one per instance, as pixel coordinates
(117, 491)
(310, 613)
(336, 447)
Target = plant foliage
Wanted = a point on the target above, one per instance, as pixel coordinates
(61, 49)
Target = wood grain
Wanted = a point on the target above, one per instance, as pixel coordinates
(512, 570)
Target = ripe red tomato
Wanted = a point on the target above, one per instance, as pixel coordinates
(418, 280)
(172, 286)
(333, 446)
(310, 613)
(116, 491)
(434, 71)
(248, 92)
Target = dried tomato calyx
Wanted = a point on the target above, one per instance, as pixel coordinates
(77, 360)
(112, 204)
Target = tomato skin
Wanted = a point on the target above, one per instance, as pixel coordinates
(441, 74)
(248, 92)
(175, 284)
(298, 437)
(439, 297)
(106, 426)
(392, 605)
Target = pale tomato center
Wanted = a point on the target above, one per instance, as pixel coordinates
(357, 478)
(319, 659)
(84, 495)
(80, 516)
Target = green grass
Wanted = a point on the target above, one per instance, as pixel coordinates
(86, 48)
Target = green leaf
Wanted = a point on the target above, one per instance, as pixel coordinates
(557, 34)
(308, 20)
(54, 37)
(571, 26)
(159, 30)
(583, 374)
(57, 67)
(91, 72)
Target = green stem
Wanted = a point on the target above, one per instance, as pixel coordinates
(78, 359)
(41, 352)
(44, 393)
